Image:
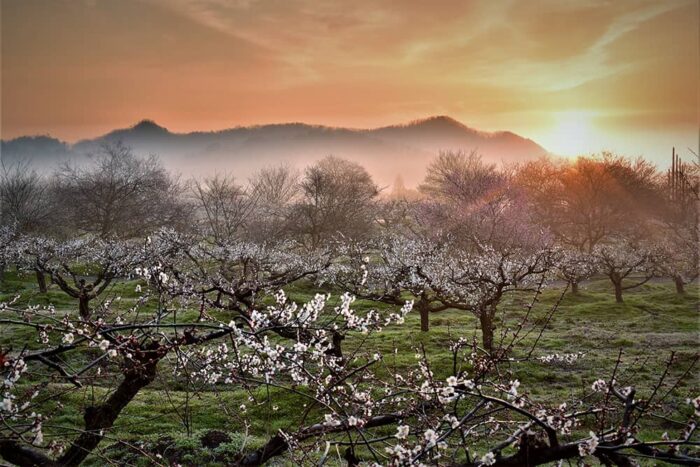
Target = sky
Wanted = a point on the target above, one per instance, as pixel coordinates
(575, 76)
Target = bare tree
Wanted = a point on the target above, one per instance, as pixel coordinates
(275, 190)
(276, 186)
(225, 208)
(476, 204)
(460, 178)
(257, 211)
(120, 195)
(589, 200)
(337, 199)
(25, 198)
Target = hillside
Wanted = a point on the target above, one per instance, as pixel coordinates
(387, 151)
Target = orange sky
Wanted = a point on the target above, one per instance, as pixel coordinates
(574, 76)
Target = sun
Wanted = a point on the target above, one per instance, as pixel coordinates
(573, 132)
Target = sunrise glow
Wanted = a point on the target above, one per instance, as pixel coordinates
(572, 133)
(576, 77)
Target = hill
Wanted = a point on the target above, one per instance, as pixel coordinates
(387, 151)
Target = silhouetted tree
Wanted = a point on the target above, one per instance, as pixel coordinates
(337, 199)
(592, 199)
(120, 195)
(275, 190)
(26, 204)
(224, 207)
(25, 198)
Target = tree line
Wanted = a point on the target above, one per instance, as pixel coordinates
(603, 214)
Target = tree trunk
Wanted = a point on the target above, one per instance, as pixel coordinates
(486, 320)
(101, 417)
(618, 291)
(574, 287)
(2, 271)
(424, 317)
(680, 285)
(41, 280)
(84, 306)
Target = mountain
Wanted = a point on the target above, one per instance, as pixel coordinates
(442, 132)
(36, 150)
(386, 152)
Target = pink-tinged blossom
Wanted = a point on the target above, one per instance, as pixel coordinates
(599, 385)
(588, 447)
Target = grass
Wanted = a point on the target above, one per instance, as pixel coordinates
(652, 322)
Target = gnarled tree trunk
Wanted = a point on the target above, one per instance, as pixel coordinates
(102, 417)
(97, 419)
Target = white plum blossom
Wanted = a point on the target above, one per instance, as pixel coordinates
(599, 385)
(6, 404)
(566, 358)
(513, 391)
(488, 459)
(695, 402)
(431, 437)
(402, 431)
(331, 420)
(354, 421)
(38, 435)
(452, 420)
(163, 277)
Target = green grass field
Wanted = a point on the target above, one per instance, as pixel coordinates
(653, 322)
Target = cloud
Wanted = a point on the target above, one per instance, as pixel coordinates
(196, 64)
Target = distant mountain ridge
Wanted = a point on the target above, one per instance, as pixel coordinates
(386, 152)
